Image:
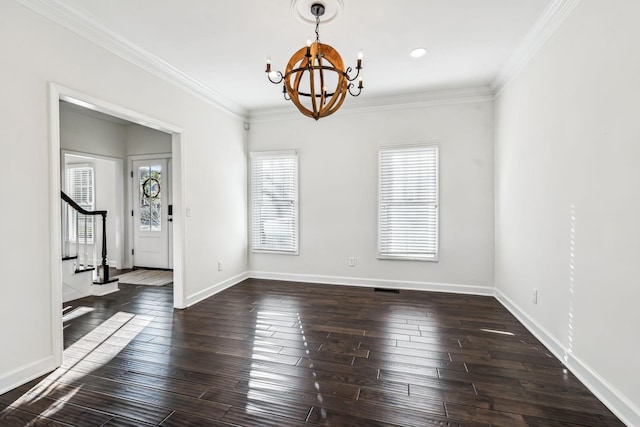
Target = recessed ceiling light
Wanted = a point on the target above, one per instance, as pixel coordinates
(418, 52)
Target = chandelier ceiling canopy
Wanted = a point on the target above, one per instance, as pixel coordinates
(315, 78)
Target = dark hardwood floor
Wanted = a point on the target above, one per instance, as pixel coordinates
(270, 353)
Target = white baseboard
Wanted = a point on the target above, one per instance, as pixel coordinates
(534, 327)
(212, 290)
(627, 411)
(24, 374)
(375, 283)
(623, 408)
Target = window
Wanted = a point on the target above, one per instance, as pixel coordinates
(80, 187)
(408, 203)
(274, 202)
(150, 179)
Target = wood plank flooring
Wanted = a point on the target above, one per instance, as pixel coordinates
(271, 353)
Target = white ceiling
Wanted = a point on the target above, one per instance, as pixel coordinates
(222, 45)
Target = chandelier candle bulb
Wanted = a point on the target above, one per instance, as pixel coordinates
(268, 64)
(308, 54)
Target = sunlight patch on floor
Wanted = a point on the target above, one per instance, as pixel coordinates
(98, 346)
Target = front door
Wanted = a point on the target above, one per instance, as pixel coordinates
(150, 213)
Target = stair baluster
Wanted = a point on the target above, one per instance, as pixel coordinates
(103, 273)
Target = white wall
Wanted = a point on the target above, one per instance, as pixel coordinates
(338, 161)
(89, 133)
(107, 199)
(85, 134)
(567, 141)
(567, 151)
(142, 140)
(35, 51)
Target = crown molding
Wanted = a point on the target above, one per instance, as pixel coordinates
(83, 25)
(383, 103)
(546, 25)
(89, 29)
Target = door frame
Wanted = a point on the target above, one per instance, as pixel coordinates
(131, 202)
(59, 93)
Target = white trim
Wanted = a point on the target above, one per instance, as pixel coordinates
(214, 289)
(406, 147)
(273, 153)
(131, 199)
(408, 143)
(400, 257)
(85, 26)
(375, 283)
(534, 327)
(148, 157)
(545, 27)
(622, 407)
(75, 97)
(265, 155)
(170, 202)
(162, 238)
(384, 104)
(31, 371)
(178, 194)
(88, 28)
(59, 92)
(89, 156)
(55, 214)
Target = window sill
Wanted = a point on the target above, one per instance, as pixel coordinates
(406, 258)
(273, 252)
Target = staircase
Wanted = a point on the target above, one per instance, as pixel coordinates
(81, 277)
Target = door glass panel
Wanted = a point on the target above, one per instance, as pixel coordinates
(150, 178)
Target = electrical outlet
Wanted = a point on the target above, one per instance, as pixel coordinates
(534, 296)
(219, 265)
(352, 261)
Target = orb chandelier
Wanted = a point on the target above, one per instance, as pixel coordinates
(313, 69)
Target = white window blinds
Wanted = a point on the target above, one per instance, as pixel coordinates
(274, 202)
(81, 188)
(408, 203)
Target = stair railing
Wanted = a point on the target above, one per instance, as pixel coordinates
(104, 277)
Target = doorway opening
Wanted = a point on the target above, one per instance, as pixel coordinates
(59, 93)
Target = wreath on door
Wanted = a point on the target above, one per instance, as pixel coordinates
(151, 188)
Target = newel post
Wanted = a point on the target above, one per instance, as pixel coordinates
(105, 267)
